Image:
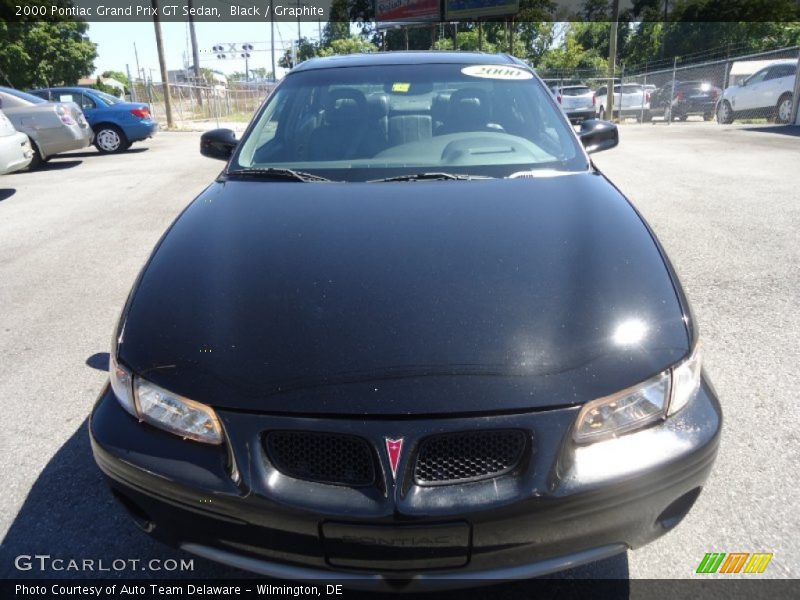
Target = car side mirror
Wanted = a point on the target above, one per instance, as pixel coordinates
(218, 143)
(597, 135)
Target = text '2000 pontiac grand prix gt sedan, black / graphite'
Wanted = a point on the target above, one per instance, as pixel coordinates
(409, 333)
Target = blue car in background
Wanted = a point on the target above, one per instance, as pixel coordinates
(116, 123)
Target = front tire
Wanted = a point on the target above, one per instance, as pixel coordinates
(783, 110)
(37, 161)
(724, 113)
(109, 139)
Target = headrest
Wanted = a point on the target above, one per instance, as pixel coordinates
(344, 105)
(476, 96)
(378, 105)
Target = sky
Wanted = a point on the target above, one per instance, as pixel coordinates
(115, 44)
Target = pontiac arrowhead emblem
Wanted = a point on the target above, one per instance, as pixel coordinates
(393, 449)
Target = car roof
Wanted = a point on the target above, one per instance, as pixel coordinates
(406, 58)
(65, 87)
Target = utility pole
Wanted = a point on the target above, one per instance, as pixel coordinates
(195, 52)
(130, 83)
(272, 38)
(612, 62)
(664, 28)
(162, 64)
(138, 68)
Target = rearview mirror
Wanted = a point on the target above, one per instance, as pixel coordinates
(597, 135)
(218, 143)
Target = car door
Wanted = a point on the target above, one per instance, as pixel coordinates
(748, 96)
(779, 79)
(89, 106)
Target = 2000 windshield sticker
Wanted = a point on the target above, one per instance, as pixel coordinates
(497, 72)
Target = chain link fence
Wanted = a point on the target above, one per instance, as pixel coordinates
(203, 106)
(756, 87)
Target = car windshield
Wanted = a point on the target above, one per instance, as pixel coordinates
(23, 96)
(374, 122)
(576, 91)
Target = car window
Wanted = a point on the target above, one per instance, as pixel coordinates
(757, 77)
(576, 91)
(779, 71)
(372, 122)
(107, 98)
(86, 102)
(631, 89)
(602, 91)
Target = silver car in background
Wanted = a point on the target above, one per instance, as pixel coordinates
(52, 127)
(15, 148)
(577, 102)
(630, 100)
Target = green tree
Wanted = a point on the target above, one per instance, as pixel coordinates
(353, 45)
(571, 56)
(306, 49)
(40, 54)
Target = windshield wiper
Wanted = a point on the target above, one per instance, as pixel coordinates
(428, 176)
(274, 173)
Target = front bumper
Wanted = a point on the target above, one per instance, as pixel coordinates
(15, 153)
(567, 506)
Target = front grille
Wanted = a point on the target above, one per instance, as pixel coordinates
(322, 457)
(468, 456)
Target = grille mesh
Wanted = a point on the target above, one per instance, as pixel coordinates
(322, 457)
(468, 456)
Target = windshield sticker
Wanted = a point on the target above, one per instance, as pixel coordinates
(497, 72)
(401, 88)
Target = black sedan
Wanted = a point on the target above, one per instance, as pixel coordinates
(410, 332)
(684, 99)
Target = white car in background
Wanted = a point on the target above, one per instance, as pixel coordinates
(15, 148)
(766, 93)
(577, 102)
(630, 100)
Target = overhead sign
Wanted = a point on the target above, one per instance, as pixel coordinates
(455, 10)
(407, 10)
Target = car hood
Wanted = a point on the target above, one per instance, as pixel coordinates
(404, 298)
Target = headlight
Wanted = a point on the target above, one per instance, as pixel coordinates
(624, 411)
(656, 398)
(176, 414)
(686, 380)
(157, 406)
(122, 384)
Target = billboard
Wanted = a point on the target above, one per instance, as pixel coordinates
(407, 10)
(457, 10)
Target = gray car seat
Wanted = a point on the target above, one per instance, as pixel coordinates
(342, 133)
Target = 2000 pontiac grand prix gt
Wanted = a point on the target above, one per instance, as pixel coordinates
(410, 332)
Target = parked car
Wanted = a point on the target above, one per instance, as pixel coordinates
(52, 127)
(117, 124)
(766, 93)
(412, 329)
(577, 101)
(630, 100)
(15, 147)
(685, 99)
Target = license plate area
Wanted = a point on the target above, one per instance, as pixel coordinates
(397, 547)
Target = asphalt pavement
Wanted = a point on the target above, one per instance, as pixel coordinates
(724, 201)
